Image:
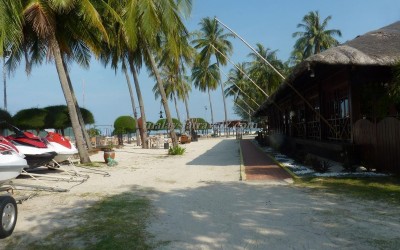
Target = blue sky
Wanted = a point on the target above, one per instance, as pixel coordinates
(268, 22)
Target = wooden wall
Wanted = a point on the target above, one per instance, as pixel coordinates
(379, 143)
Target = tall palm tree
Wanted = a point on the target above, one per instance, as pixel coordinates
(151, 21)
(175, 67)
(205, 78)
(170, 81)
(263, 74)
(46, 22)
(182, 90)
(315, 36)
(126, 51)
(128, 82)
(213, 38)
(242, 90)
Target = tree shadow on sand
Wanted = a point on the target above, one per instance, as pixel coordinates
(235, 215)
(219, 155)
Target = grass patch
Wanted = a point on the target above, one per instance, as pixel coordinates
(116, 222)
(385, 189)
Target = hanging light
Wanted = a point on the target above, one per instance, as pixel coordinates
(161, 114)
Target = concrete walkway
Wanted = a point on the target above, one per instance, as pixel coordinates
(259, 166)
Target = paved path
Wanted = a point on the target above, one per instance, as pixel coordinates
(258, 165)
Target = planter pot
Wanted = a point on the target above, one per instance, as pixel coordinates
(109, 154)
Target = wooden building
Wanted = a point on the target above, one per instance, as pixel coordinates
(341, 103)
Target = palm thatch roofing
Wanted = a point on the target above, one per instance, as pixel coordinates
(376, 48)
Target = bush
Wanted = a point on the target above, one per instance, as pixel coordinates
(176, 150)
(317, 165)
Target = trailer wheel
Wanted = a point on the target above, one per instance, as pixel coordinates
(8, 215)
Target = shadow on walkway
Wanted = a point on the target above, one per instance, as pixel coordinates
(258, 165)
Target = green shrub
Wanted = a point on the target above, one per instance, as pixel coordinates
(317, 165)
(176, 150)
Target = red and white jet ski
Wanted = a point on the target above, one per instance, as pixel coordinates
(11, 162)
(35, 150)
(61, 145)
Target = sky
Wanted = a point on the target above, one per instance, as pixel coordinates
(269, 22)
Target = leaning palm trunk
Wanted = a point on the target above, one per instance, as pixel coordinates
(79, 140)
(163, 98)
(143, 130)
(78, 110)
(186, 107)
(128, 81)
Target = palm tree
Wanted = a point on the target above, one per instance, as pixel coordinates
(170, 84)
(142, 26)
(205, 78)
(263, 74)
(128, 82)
(125, 51)
(46, 23)
(315, 37)
(242, 91)
(211, 40)
(147, 23)
(182, 90)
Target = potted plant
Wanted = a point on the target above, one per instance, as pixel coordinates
(108, 153)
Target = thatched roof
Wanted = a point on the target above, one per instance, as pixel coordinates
(379, 47)
(375, 48)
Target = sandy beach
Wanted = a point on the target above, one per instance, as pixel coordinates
(200, 203)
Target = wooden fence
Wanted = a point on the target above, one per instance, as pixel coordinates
(379, 143)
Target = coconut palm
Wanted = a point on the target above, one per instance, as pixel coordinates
(243, 91)
(143, 25)
(183, 89)
(315, 36)
(125, 53)
(148, 22)
(205, 78)
(170, 81)
(211, 40)
(238, 81)
(262, 73)
(46, 23)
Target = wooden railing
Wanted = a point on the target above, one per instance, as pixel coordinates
(340, 129)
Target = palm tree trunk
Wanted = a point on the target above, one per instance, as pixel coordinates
(78, 110)
(226, 116)
(188, 122)
(211, 108)
(128, 81)
(223, 99)
(187, 108)
(176, 108)
(5, 82)
(143, 130)
(79, 140)
(164, 98)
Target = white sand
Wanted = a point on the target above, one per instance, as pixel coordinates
(201, 204)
